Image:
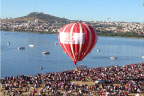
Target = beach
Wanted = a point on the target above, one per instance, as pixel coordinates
(125, 80)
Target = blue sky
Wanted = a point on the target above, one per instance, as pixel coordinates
(90, 10)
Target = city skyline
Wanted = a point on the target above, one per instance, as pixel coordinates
(122, 10)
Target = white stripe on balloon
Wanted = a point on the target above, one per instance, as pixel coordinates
(80, 46)
(63, 42)
(71, 45)
(90, 40)
(95, 38)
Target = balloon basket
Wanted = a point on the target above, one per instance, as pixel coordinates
(76, 68)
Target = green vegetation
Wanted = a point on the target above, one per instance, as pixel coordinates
(120, 34)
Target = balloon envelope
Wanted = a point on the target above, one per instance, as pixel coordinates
(77, 40)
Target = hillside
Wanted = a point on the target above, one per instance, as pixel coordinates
(42, 17)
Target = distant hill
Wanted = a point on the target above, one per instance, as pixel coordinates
(41, 17)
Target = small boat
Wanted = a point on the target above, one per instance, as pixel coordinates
(142, 57)
(113, 58)
(98, 50)
(41, 68)
(31, 45)
(45, 52)
(8, 43)
(56, 43)
(21, 48)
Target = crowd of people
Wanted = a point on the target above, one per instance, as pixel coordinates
(117, 81)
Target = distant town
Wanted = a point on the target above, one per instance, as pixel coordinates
(34, 22)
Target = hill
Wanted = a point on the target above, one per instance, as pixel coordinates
(41, 17)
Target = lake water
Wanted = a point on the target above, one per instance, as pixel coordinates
(15, 62)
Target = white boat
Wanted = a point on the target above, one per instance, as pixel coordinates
(45, 53)
(56, 43)
(21, 48)
(113, 58)
(142, 57)
(8, 43)
(31, 45)
(98, 50)
(41, 68)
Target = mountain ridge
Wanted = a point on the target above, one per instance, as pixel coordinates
(41, 17)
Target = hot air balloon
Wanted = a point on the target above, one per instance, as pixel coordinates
(77, 40)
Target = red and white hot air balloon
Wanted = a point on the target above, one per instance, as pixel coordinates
(77, 40)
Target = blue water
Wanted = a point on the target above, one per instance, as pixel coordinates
(28, 61)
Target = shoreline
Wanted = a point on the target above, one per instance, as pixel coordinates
(64, 71)
(58, 33)
(93, 81)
